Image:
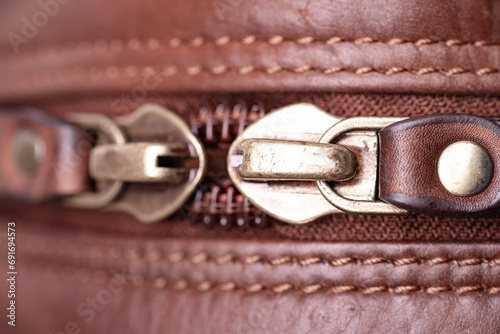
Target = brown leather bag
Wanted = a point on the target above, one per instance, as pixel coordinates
(106, 239)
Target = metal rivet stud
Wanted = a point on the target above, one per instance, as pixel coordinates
(28, 149)
(465, 168)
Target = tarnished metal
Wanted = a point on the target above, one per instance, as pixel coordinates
(28, 149)
(302, 201)
(334, 197)
(155, 147)
(138, 162)
(109, 191)
(268, 159)
(465, 168)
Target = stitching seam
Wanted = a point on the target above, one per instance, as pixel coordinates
(84, 275)
(96, 73)
(134, 44)
(156, 255)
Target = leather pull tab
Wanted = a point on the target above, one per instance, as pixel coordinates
(41, 157)
(441, 165)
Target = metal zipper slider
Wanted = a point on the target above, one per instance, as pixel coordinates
(299, 163)
(272, 159)
(152, 151)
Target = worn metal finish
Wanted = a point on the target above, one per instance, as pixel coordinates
(340, 201)
(465, 168)
(159, 150)
(28, 149)
(153, 123)
(137, 162)
(293, 202)
(270, 159)
(301, 201)
(107, 192)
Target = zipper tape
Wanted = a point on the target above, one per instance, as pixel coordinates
(148, 163)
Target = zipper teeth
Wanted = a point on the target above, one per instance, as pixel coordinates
(217, 201)
(222, 124)
(218, 118)
(223, 205)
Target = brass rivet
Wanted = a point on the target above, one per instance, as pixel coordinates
(465, 168)
(28, 149)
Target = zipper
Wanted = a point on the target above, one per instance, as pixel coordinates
(150, 148)
(284, 162)
(219, 203)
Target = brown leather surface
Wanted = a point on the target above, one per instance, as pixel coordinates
(212, 286)
(63, 167)
(153, 48)
(349, 46)
(334, 228)
(409, 151)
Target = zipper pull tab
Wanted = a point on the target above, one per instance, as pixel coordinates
(270, 159)
(299, 163)
(153, 151)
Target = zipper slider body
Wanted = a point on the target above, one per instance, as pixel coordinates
(299, 163)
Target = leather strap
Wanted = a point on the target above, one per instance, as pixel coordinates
(409, 152)
(62, 156)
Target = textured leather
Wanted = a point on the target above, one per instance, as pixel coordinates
(350, 46)
(409, 152)
(253, 286)
(63, 166)
(92, 52)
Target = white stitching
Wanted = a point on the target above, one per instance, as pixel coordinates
(44, 77)
(85, 275)
(134, 44)
(155, 255)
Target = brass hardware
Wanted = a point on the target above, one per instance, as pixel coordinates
(157, 148)
(302, 201)
(269, 159)
(113, 134)
(137, 162)
(336, 199)
(465, 168)
(28, 149)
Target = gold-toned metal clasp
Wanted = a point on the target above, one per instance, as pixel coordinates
(268, 159)
(342, 202)
(140, 162)
(286, 163)
(153, 151)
